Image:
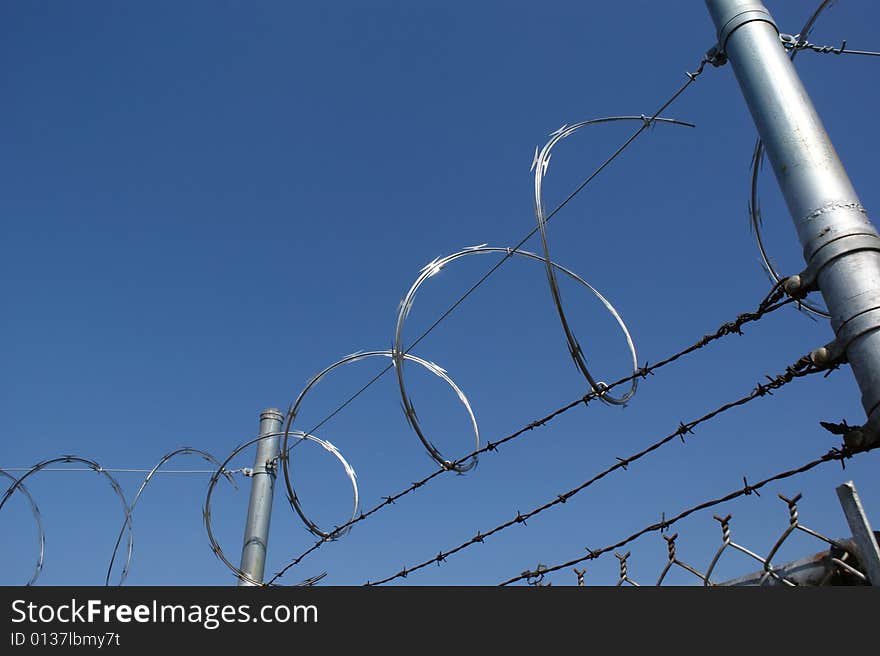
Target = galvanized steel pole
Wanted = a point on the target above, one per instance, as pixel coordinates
(256, 532)
(841, 246)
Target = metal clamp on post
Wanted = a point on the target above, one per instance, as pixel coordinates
(856, 326)
(746, 12)
(865, 437)
(840, 244)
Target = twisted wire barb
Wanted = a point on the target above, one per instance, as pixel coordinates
(836, 454)
(770, 303)
(802, 367)
(797, 43)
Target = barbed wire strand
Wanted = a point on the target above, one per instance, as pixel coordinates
(771, 302)
(793, 42)
(835, 454)
(800, 368)
(708, 58)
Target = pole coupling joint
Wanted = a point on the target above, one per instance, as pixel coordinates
(745, 12)
(844, 243)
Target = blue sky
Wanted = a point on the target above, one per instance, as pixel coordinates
(204, 204)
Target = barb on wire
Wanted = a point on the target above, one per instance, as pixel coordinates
(838, 454)
(794, 42)
(117, 489)
(771, 302)
(800, 368)
(38, 520)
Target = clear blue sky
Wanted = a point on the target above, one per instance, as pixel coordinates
(204, 204)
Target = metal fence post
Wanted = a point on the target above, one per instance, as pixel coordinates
(256, 532)
(863, 536)
(841, 246)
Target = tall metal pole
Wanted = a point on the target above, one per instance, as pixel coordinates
(841, 246)
(256, 531)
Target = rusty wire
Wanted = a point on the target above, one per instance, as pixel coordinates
(837, 454)
(804, 366)
(836, 561)
(771, 302)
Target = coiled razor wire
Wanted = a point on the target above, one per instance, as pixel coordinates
(397, 357)
(539, 166)
(434, 267)
(771, 302)
(186, 450)
(38, 520)
(757, 163)
(221, 471)
(94, 466)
